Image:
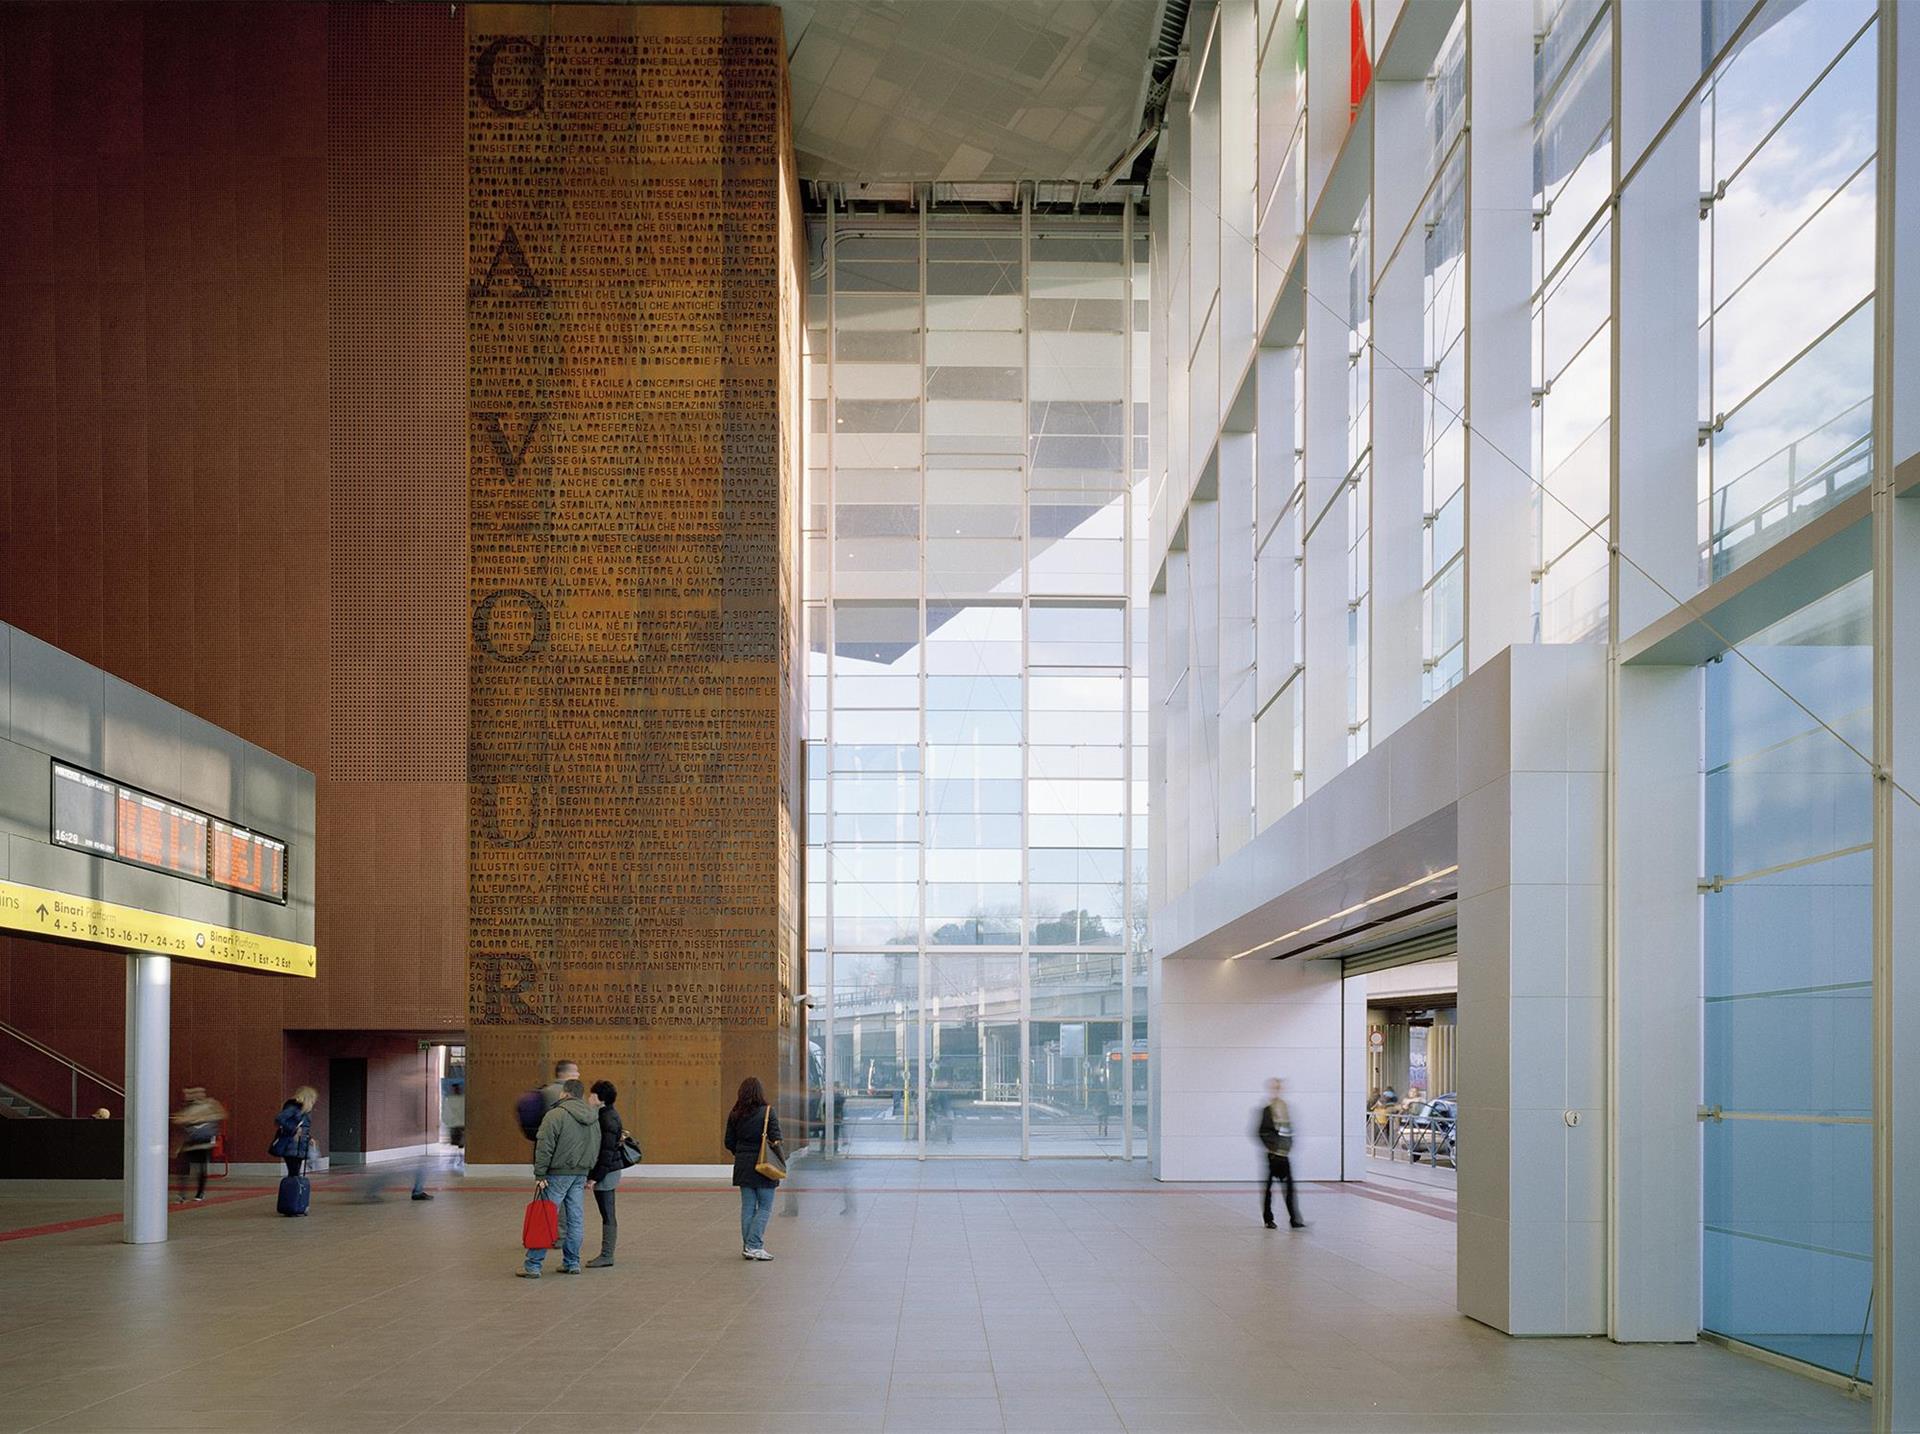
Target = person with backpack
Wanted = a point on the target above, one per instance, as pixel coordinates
(759, 1163)
(604, 1178)
(564, 1151)
(293, 1143)
(199, 1122)
(532, 1107)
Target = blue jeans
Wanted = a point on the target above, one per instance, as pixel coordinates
(755, 1207)
(569, 1192)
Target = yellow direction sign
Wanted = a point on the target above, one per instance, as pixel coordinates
(39, 912)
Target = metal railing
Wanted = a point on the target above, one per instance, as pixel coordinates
(54, 1064)
(1783, 490)
(1413, 1136)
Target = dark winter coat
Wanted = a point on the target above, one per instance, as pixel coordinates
(743, 1139)
(609, 1161)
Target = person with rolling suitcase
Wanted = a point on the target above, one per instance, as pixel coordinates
(293, 1143)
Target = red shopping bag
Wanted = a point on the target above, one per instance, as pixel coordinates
(542, 1225)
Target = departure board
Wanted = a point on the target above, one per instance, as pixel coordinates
(247, 861)
(102, 817)
(84, 811)
(152, 831)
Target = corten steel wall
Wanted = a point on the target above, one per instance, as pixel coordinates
(632, 317)
(173, 504)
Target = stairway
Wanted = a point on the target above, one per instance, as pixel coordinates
(14, 1106)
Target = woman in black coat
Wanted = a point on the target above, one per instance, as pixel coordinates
(607, 1168)
(750, 1118)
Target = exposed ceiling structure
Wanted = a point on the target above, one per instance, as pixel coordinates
(960, 90)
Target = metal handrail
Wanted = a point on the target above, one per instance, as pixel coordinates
(74, 1069)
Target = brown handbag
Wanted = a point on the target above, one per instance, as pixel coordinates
(769, 1164)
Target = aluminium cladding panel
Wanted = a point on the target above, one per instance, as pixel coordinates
(58, 707)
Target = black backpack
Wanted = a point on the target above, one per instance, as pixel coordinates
(528, 1110)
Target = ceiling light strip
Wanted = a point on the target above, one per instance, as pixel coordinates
(1414, 885)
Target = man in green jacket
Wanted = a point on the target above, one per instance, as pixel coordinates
(563, 1156)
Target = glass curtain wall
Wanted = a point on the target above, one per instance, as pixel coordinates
(1359, 494)
(1787, 127)
(1572, 312)
(976, 623)
(1443, 339)
(1788, 992)
(1786, 133)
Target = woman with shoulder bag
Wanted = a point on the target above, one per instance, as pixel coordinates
(759, 1163)
(293, 1129)
(617, 1152)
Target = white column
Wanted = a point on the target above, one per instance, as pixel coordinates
(1203, 687)
(1499, 495)
(1896, 1350)
(1235, 578)
(1532, 1232)
(1656, 328)
(1654, 1212)
(1896, 1354)
(143, 1186)
(1654, 1000)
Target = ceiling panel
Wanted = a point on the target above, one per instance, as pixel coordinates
(966, 89)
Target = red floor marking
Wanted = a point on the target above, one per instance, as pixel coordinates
(1437, 1211)
(88, 1222)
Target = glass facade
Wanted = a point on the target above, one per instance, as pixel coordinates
(1788, 992)
(1572, 312)
(976, 844)
(1787, 136)
(1481, 356)
(1444, 354)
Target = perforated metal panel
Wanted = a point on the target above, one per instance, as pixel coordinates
(397, 389)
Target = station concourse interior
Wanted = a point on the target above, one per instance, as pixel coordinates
(1254, 653)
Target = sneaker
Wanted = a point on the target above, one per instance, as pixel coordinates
(569, 1269)
(745, 1253)
(760, 1254)
(528, 1274)
(422, 1195)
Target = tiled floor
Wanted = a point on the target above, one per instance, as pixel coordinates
(935, 1296)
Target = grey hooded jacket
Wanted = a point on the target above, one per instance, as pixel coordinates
(569, 1140)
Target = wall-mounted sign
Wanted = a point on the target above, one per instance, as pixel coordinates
(102, 817)
(65, 917)
(247, 861)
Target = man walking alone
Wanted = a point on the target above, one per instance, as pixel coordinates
(1275, 1131)
(563, 1153)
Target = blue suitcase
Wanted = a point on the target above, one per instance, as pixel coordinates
(295, 1192)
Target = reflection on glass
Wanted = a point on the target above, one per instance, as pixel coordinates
(973, 1055)
(1788, 1200)
(875, 1053)
(981, 471)
(1787, 129)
